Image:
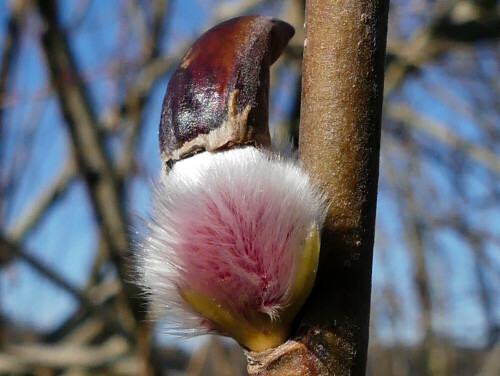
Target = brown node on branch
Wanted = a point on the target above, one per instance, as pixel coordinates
(218, 95)
(312, 352)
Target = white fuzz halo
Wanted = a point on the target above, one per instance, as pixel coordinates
(229, 225)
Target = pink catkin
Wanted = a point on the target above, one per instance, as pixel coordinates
(230, 226)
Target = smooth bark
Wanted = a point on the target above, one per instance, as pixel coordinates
(342, 91)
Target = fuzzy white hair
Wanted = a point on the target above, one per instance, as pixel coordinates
(229, 225)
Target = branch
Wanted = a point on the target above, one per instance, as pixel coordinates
(68, 355)
(92, 160)
(436, 38)
(138, 94)
(491, 365)
(441, 132)
(12, 248)
(469, 31)
(342, 90)
(82, 327)
(415, 231)
(46, 198)
(10, 48)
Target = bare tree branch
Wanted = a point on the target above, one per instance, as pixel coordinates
(469, 31)
(8, 58)
(93, 163)
(138, 94)
(10, 47)
(69, 355)
(342, 92)
(10, 247)
(415, 231)
(45, 199)
(478, 153)
(491, 366)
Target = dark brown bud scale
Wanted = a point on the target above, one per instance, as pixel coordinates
(218, 95)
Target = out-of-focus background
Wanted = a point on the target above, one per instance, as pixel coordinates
(81, 87)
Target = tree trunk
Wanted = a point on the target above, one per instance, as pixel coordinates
(342, 92)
